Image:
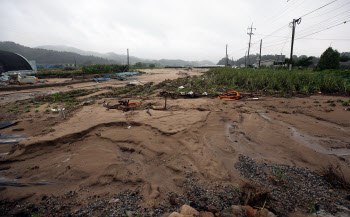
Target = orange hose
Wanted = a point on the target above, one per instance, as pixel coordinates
(230, 96)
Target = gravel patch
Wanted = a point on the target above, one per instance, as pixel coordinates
(294, 187)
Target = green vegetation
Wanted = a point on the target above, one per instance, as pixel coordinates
(27, 110)
(280, 174)
(305, 81)
(219, 80)
(85, 70)
(68, 96)
(36, 111)
(329, 59)
(340, 100)
(313, 209)
(104, 69)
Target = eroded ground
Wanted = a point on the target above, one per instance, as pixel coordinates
(99, 162)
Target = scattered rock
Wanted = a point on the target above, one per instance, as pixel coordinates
(251, 212)
(176, 214)
(206, 214)
(232, 211)
(212, 209)
(187, 210)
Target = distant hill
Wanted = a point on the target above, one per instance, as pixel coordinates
(253, 59)
(110, 56)
(43, 56)
(122, 57)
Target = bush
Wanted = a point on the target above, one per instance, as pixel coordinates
(104, 69)
(329, 59)
(304, 81)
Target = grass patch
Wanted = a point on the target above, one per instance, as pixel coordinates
(305, 81)
(68, 96)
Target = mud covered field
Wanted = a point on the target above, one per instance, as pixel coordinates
(200, 151)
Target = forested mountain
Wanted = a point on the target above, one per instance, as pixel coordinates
(43, 56)
(51, 54)
(122, 57)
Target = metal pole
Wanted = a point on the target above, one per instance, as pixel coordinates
(226, 57)
(250, 39)
(128, 56)
(291, 49)
(260, 53)
(295, 21)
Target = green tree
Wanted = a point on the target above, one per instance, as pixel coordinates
(152, 65)
(304, 62)
(138, 64)
(329, 59)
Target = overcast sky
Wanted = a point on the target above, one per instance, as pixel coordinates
(176, 29)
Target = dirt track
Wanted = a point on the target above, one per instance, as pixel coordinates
(152, 75)
(99, 152)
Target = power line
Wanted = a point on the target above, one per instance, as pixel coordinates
(325, 29)
(331, 19)
(336, 39)
(323, 25)
(319, 8)
(329, 11)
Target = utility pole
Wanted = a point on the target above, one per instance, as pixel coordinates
(250, 39)
(226, 57)
(260, 53)
(295, 21)
(127, 50)
(245, 56)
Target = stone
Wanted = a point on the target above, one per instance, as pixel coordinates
(176, 214)
(212, 209)
(250, 211)
(232, 211)
(270, 214)
(187, 210)
(206, 214)
(129, 213)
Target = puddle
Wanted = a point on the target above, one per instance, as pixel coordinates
(264, 116)
(13, 183)
(6, 138)
(310, 142)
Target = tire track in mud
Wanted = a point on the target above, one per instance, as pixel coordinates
(310, 141)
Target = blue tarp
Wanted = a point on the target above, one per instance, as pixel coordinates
(122, 74)
(101, 79)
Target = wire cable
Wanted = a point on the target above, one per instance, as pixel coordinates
(324, 29)
(319, 8)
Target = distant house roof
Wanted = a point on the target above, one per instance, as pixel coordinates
(13, 62)
(345, 63)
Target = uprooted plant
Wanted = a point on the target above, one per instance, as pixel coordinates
(334, 176)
